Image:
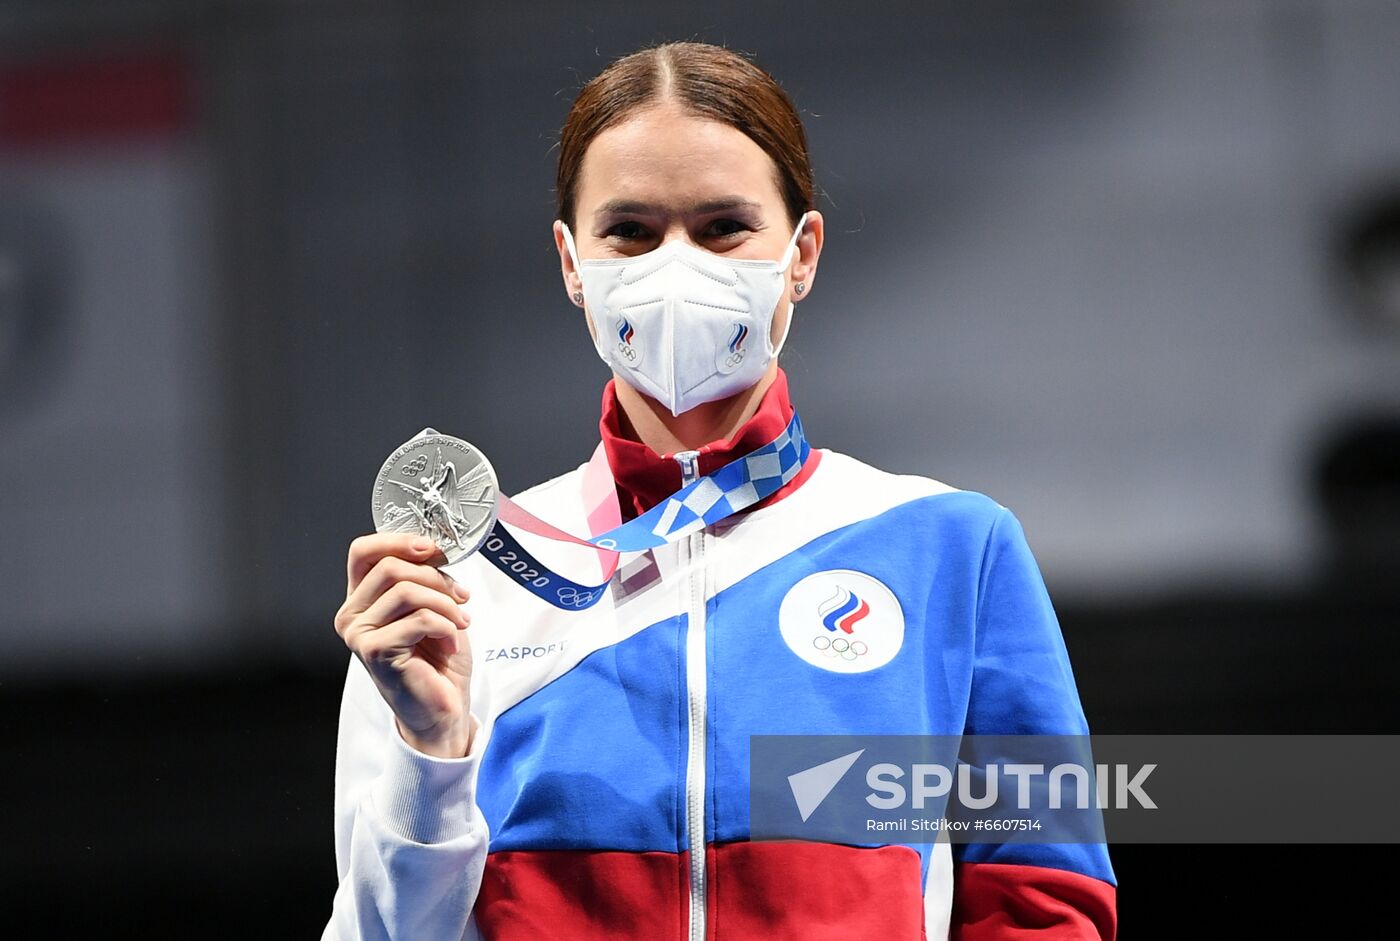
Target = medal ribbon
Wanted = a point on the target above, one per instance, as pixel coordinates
(741, 483)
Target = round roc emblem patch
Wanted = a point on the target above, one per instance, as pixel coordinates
(842, 621)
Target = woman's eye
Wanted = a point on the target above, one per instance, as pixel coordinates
(725, 227)
(627, 231)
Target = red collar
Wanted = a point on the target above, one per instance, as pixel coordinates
(645, 478)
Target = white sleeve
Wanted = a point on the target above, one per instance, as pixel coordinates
(410, 840)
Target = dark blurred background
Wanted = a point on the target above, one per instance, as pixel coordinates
(1132, 268)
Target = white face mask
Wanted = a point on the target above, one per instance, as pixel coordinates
(684, 325)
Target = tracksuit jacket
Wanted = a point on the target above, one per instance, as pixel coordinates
(605, 794)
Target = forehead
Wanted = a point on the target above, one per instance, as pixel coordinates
(667, 158)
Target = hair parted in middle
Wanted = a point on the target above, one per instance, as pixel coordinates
(707, 80)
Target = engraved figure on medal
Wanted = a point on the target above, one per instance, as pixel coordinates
(451, 498)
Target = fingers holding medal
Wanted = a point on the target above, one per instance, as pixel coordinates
(434, 504)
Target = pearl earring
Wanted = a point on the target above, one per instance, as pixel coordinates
(798, 288)
(578, 297)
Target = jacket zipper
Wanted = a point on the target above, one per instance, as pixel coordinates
(696, 692)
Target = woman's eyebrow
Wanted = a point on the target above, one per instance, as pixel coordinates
(721, 204)
(617, 207)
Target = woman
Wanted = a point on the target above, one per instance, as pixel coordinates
(509, 769)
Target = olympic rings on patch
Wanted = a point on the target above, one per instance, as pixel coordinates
(840, 647)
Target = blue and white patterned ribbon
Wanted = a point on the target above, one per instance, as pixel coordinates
(739, 484)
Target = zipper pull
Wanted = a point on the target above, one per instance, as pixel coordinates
(690, 466)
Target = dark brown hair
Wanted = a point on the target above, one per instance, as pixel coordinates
(711, 82)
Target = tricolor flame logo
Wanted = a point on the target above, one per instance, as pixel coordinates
(736, 342)
(844, 610)
(625, 332)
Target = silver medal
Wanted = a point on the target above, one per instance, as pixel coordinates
(437, 486)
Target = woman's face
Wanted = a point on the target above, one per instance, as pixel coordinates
(665, 174)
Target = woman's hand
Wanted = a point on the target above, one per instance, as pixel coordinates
(401, 618)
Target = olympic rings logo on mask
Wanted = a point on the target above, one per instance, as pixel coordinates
(628, 352)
